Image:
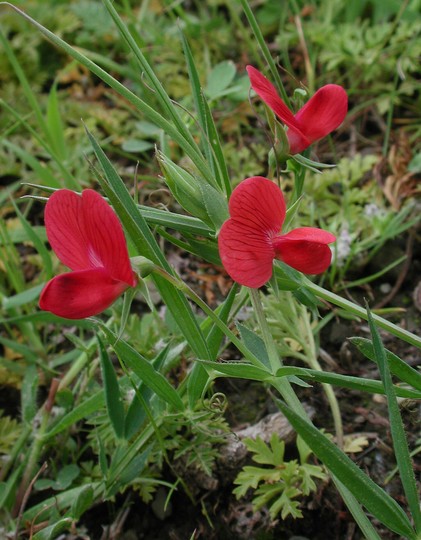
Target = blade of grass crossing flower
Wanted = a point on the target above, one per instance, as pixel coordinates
(397, 367)
(147, 246)
(369, 494)
(144, 370)
(113, 400)
(265, 50)
(400, 442)
(156, 118)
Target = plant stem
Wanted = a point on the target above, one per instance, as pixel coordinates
(361, 312)
(282, 384)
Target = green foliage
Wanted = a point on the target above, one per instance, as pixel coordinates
(281, 480)
(10, 429)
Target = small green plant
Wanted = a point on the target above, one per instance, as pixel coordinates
(279, 482)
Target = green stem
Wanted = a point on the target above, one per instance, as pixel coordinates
(265, 50)
(361, 312)
(311, 359)
(282, 384)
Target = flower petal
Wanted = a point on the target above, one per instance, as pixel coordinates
(268, 93)
(305, 249)
(258, 203)
(246, 253)
(65, 228)
(84, 232)
(107, 242)
(323, 113)
(76, 295)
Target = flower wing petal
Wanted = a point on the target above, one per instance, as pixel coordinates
(258, 203)
(246, 253)
(305, 249)
(323, 113)
(65, 228)
(268, 93)
(107, 242)
(76, 295)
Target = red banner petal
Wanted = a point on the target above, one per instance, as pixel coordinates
(246, 253)
(258, 203)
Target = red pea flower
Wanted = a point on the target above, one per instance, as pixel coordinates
(250, 240)
(86, 236)
(322, 113)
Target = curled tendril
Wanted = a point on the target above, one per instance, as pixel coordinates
(217, 403)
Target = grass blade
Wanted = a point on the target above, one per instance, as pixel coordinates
(400, 443)
(113, 399)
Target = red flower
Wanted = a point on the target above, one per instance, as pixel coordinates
(323, 113)
(86, 236)
(250, 239)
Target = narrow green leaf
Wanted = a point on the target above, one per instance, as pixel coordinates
(144, 370)
(53, 531)
(22, 298)
(86, 408)
(113, 400)
(397, 367)
(60, 501)
(220, 166)
(369, 494)
(255, 344)
(178, 222)
(265, 50)
(400, 443)
(239, 370)
(344, 381)
(82, 503)
(357, 512)
(216, 205)
(196, 94)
